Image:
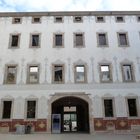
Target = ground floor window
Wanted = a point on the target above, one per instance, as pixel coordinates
(6, 113)
(108, 107)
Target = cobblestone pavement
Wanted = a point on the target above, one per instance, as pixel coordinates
(67, 137)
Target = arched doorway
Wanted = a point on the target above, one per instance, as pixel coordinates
(74, 114)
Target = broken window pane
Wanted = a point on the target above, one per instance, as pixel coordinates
(108, 106)
(7, 109)
(105, 73)
(58, 73)
(80, 74)
(31, 109)
(132, 107)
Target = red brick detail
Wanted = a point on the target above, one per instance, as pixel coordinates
(122, 124)
(6, 124)
(41, 125)
(99, 124)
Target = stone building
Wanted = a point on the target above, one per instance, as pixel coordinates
(70, 71)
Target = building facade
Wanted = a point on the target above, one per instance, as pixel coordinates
(70, 71)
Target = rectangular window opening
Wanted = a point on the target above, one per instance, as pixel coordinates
(14, 41)
(123, 39)
(79, 40)
(58, 40)
(7, 105)
(108, 106)
(35, 41)
(58, 73)
(132, 107)
(31, 109)
(102, 39)
(80, 73)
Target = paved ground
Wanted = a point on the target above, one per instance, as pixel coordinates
(67, 137)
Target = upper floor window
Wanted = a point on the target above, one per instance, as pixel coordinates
(16, 20)
(132, 107)
(33, 74)
(123, 39)
(14, 40)
(10, 74)
(58, 73)
(6, 111)
(105, 73)
(138, 18)
(58, 19)
(59, 40)
(108, 108)
(100, 19)
(31, 109)
(102, 39)
(127, 72)
(79, 40)
(36, 20)
(78, 19)
(35, 41)
(119, 19)
(80, 74)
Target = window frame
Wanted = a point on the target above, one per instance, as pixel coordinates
(120, 21)
(132, 72)
(14, 20)
(137, 106)
(39, 43)
(100, 21)
(55, 19)
(85, 73)
(26, 108)
(83, 39)
(77, 21)
(53, 74)
(34, 22)
(113, 107)
(2, 109)
(110, 72)
(10, 41)
(28, 73)
(138, 18)
(119, 40)
(98, 40)
(54, 40)
(6, 73)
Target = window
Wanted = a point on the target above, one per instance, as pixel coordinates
(7, 107)
(58, 73)
(119, 19)
(80, 74)
(11, 74)
(79, 40)
(123, 39)
(16, 20)
(100, 19)
(31, 109)
(58, 40)
(36, 20)
(14, 40)
(35, 41)
(138, 18)
(58, 19)
(102, 39)
(127, 73)
(132, 107)
(108, 108)
(33, 74)
(78, 19)
(105, 75)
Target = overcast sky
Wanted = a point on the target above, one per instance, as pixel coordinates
(68, 5)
